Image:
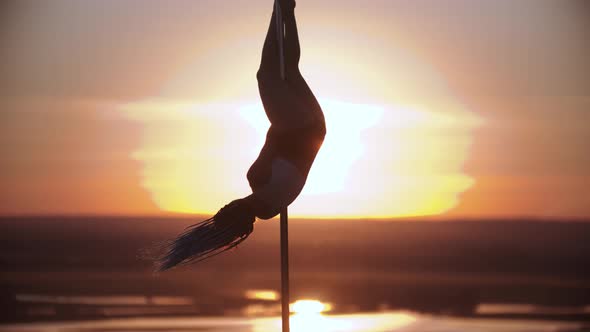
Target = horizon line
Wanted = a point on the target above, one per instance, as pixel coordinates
(367, 219)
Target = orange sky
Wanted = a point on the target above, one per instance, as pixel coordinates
(462, 109)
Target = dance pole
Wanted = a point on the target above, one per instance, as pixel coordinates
(280, 37)
(284, 213)
(285, 270)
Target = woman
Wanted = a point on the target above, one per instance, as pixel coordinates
(279, 173)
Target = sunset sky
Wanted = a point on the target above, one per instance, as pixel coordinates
(470, 109)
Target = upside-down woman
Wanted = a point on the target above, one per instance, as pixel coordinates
(279, 173)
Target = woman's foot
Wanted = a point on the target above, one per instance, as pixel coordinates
(287, 7)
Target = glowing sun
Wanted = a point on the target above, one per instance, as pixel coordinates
(376, 161)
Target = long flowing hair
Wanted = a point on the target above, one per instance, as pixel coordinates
(224, 231)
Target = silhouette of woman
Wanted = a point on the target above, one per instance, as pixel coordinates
(279, 173)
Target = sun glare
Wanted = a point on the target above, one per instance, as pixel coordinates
(343, 143)
(377, 161)
(396, 139)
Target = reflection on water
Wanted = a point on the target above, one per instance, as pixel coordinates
(260, 315)
(318, 322)
(529, 309)
(44, 306)
(106, 300)
(382, 322)
(299, 323)
(262, 294)
(309, 307)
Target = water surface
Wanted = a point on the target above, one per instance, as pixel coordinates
(378, 322)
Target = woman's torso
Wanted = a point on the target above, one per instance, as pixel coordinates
(298, 147)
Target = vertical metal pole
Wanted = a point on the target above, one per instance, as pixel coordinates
(280, 36)
(284, 213)
(285, 270)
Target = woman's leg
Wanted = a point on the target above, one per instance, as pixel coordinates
(294, 78)
(269, 64)
(289, 104)
(292, 48)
